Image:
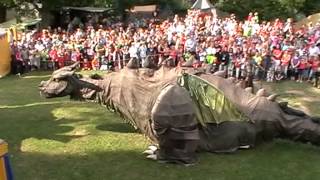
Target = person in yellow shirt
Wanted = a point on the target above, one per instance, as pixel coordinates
(257, 65)
(211, 60)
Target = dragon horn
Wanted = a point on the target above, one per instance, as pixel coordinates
(153, 147)
(261, 92)
(74, 66)
(239, 84)
(152, 157)
(249, 89)
(231, 79)
(273, 97)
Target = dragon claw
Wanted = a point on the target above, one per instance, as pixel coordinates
(152, 157)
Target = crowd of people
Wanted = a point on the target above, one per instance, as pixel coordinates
(265, 50)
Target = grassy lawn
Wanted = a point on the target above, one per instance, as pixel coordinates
(58, 139)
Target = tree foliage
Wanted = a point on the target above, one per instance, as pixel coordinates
(268, 9)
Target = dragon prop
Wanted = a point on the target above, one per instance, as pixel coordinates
(184, 113)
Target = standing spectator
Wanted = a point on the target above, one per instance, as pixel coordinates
(231, 65)
(250, 17)
(255, 18)
(302, 69)
(295, 63)
(257, 65)
(25, 58)
(314, 50)
(190, 44)
(316, 70)
(95, 64)
(238, 62)
(276, 57)
(53, 55)
(142, 49)
(36, 59)
(285, 62)
(314, 63)
(225, 58)
(133, 51)
(117, 56)
(61, 58)
(20, 66)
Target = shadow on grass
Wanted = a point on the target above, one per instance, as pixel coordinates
(281, 160)
(52, 121)
(117, 127)
(98, 165)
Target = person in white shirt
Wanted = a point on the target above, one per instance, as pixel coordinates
(39, 46)
(180, 27)
(202, 55)
(190, 44)
(143, 53)
(211, 50)
(133, 51)
(314, 50)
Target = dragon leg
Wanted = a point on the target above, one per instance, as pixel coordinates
(227, 137)
(175, 126)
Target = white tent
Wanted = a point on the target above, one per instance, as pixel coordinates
(202, 4)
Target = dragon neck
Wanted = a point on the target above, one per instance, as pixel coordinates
(87, 89)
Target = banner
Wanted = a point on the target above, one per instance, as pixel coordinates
(5, 55)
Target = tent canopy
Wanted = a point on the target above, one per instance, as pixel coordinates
(26, 22)
(87, 9)
(202, 4)
(314, 19)
(147, 8)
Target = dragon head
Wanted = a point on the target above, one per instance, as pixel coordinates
(61, 83)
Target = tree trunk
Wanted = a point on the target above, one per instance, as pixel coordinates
(3, 13)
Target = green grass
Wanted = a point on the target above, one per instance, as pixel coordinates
(58, 139)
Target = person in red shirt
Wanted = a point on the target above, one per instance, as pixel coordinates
(250, 16)
(61, 58)
(276, 56)
(86, 64)
(303, 69)
(173, 53)
(278, 25)
(53, 55)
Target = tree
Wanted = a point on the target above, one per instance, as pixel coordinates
(311, 7)
(4, 4)
(270, 9)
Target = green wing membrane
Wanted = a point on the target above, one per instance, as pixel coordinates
(210, 103)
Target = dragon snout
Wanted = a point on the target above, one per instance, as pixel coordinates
(42, 87)
(42, 84)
